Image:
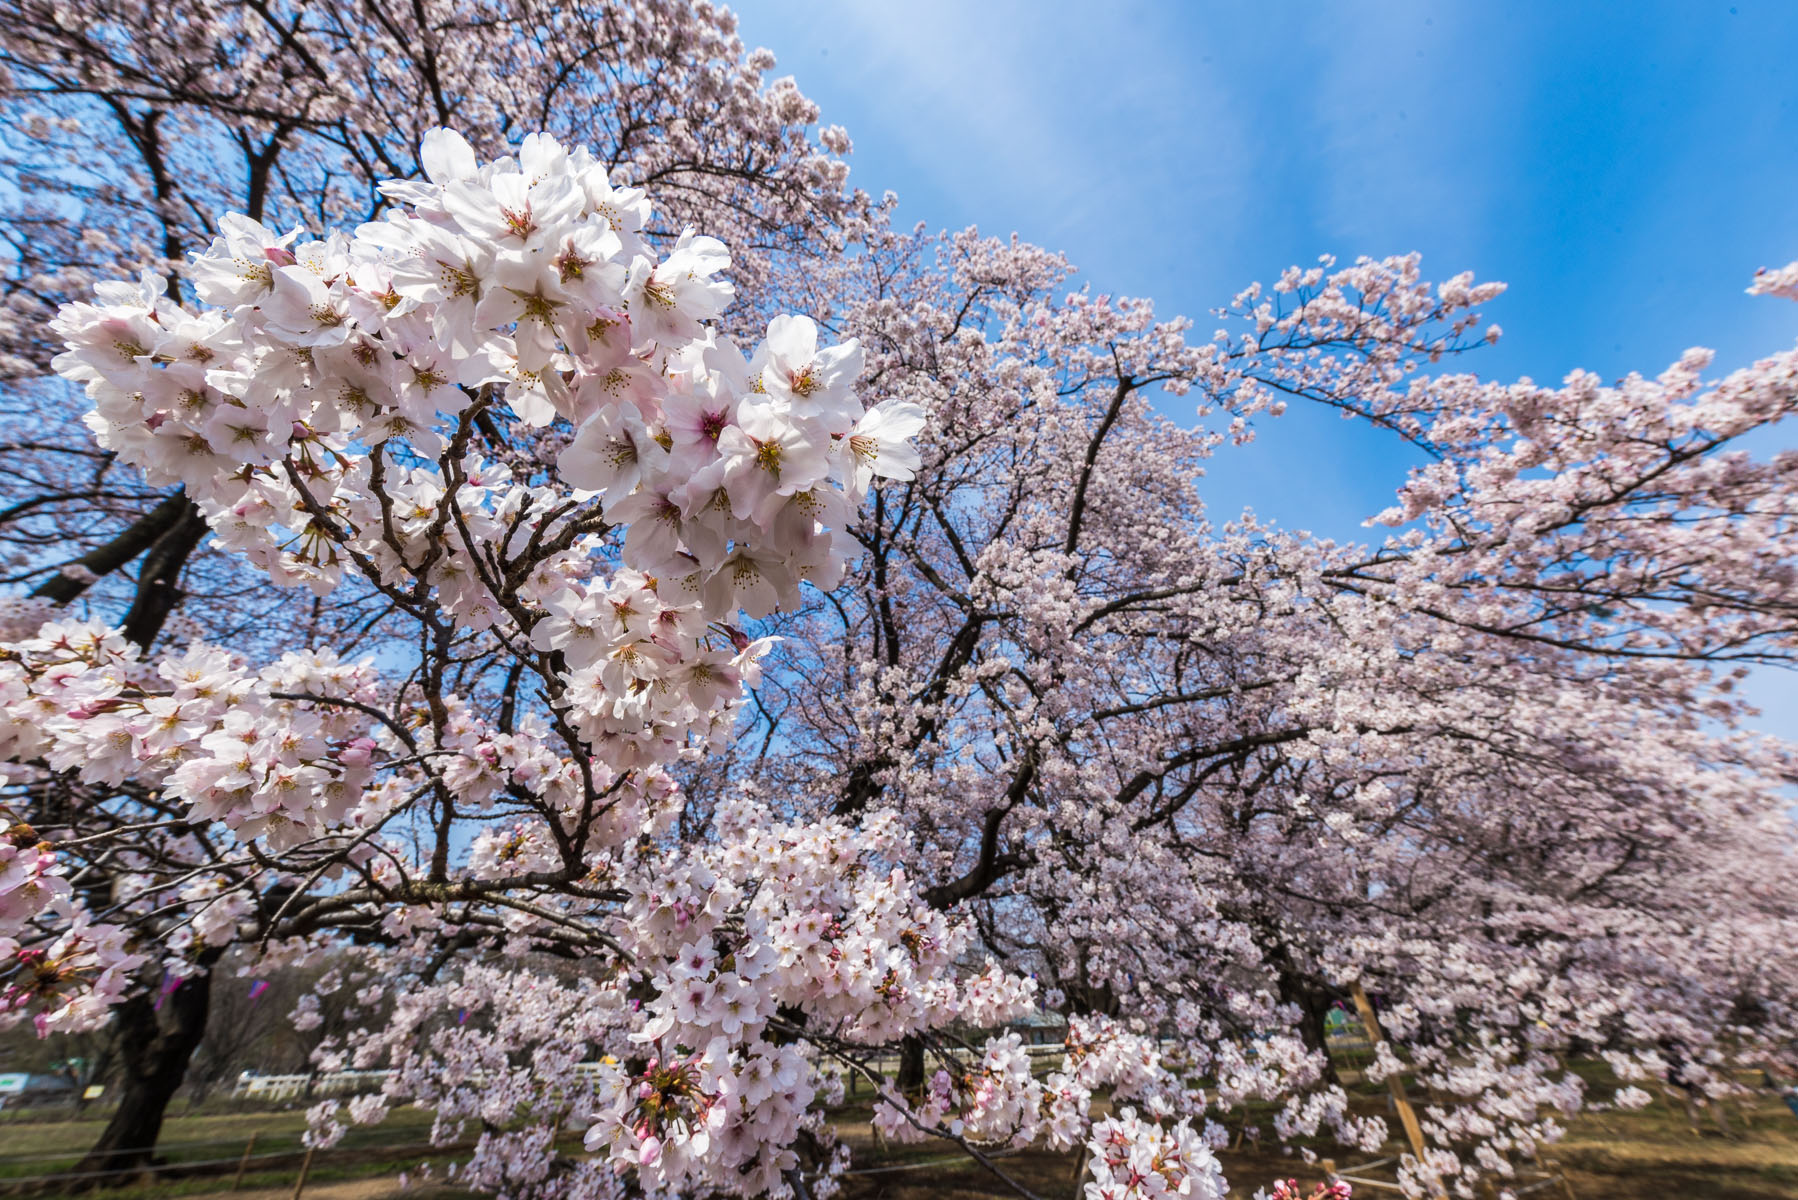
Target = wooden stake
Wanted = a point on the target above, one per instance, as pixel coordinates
(249, 1149)
(1561, 1174)
(1406, 1114)
(1081, 1164)
(299, 1184)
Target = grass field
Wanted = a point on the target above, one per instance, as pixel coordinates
(1653, 1155)
(1646, 1155)
(211, 1145)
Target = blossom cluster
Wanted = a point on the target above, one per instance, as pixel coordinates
(320, 409)
(996, 1099)
(70, 983)
(1782, 281)
(322, 404)
(749, 969)
(197, 727)
(1136, 1160)
(266, 753)
(1288, 1189)
(799, 920)
(527, 282)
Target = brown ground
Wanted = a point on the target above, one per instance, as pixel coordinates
(349, 1189)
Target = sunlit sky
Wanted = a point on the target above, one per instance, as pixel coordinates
(1624, 167)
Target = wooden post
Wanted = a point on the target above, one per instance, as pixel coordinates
(299, 1184)
(1561, 1175)
(1406, 1114)
(249, 1149)
(1082, 1164)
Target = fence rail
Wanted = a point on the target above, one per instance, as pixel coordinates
(298, 1158)
(338, 1083)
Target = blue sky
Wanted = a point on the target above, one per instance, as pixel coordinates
(1624, 167)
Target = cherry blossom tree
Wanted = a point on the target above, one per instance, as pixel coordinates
(1207, 778)
(129, 130)
(321, 405)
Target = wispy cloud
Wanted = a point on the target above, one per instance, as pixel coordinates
(1040, 117)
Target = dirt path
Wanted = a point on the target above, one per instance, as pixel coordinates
(377, 1188)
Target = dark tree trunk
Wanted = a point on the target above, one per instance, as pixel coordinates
(154, 1049)
(158, 586)
(104, 560)
(911, 1066)
(1314, 1023)
(1312, 1001)
(1084, 997)
(154, 1045)
(1087, 1000)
